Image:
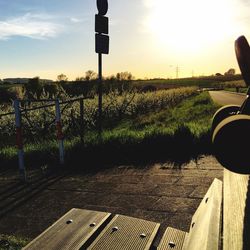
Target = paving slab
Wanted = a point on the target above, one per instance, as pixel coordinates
(159, 192)
(199, 191)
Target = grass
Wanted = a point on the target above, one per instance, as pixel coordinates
(202, 82)
(12, 242)
(39, 123)
(176, 134)
(195, 113)
(240, 90)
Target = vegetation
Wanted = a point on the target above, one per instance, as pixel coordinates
(142, 120)
(40, 123)
(177, 131)
(11, 242)
(216, 82)
(35, 88)
(87, 85)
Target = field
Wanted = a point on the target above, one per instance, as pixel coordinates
(40, 123)
(217, 82)
(138, 128)
(35, 88)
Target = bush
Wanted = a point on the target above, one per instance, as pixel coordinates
(40, 124)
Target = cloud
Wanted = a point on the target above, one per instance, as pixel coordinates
(75, 20)
(36, 26)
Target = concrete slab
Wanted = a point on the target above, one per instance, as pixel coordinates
(158, 193)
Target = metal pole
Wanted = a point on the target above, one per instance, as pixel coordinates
(19, 140)
(82, 120)
(59, 132)
(100, 92)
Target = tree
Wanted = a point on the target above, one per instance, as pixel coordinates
(90, 75)
(52, 89)
(111, 78)
(218, 74)
(80, 79)
(124, 76)
(62, 78)
(230, 72)
(118, 76)
(34, 88)
(123, 81)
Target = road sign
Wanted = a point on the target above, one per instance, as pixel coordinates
(102, 6)
(101, 47)
(101, 24)
(101, 44)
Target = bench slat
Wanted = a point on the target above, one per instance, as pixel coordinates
(70, 232)
(204, 233)
(236, 211)
(172, 239)
(126, 233)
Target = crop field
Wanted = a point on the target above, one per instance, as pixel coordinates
(136, 127)
(200, 82)
(39, 124)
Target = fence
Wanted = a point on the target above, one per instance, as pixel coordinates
(18, 113)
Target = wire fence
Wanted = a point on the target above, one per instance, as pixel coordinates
(50, 121)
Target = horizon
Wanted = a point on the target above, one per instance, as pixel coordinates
(160, 39)
(133, 79)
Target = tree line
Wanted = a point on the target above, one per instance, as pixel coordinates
(87, 86)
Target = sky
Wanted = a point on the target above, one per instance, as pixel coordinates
(149, 38)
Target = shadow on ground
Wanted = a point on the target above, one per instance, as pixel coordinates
(157, 192)
(15, 193)
(178, 149)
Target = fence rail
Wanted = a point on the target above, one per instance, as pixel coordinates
(43, 106)
(18, 110)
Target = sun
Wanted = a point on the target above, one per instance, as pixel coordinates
(193, 25)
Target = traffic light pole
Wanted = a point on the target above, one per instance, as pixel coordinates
(100, 93)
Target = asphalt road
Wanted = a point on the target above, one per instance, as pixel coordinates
(225, 97)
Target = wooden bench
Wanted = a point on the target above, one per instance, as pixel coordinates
(84, 229)
(204, 232)
(236, 211)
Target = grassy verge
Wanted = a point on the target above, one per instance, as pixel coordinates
(240, 90)
(176, 134)
(11, 242)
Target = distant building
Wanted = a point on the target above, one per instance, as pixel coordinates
(16, 80)
(22, 80)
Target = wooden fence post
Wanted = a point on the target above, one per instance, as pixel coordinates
(19, 140)
(81, 120)
(59, 132)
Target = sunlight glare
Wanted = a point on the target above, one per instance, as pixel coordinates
(192, 25)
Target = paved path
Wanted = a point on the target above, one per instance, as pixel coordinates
(157, 192)
(225, 97)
